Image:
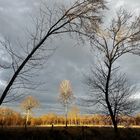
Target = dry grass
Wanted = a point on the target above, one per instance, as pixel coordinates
(70, 133)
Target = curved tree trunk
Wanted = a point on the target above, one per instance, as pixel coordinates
(114, 122)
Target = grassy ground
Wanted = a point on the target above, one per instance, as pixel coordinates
(70, 133)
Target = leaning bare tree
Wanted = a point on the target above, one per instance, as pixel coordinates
(66, 96)
(121, 37)
(52, 22)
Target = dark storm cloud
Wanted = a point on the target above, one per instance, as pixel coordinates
(69, 61)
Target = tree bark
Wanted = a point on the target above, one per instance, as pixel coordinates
(27, 116)
(114, 122)
(66, 116)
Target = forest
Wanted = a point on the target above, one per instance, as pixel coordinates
(9, 117)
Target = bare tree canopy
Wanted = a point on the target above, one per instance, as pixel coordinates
(66, 95)
(120, 93)
(122, 36)
(28, 104)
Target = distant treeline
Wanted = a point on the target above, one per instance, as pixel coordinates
(9, 117)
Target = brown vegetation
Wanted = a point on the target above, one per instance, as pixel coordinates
(9, 117)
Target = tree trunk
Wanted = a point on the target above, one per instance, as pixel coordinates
(27, 116)
(114, 122)
(66, 116)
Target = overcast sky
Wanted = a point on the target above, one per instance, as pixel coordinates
(69, 62)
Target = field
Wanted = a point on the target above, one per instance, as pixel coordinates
(70, 133)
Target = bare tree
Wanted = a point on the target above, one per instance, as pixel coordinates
(121, 37)
(52, 22)
(66, 96)
(28, 104)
